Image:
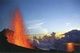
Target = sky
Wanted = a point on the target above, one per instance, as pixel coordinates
(43, 16)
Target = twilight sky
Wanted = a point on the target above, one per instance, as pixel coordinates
(43, 16)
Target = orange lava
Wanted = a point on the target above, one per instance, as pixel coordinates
(9, 35)
(19, 38)
(70, 47)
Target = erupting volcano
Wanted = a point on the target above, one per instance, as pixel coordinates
(19, 38)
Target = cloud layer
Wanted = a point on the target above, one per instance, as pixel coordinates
(36, 27)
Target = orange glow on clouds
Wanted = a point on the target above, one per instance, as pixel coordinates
(59, 35)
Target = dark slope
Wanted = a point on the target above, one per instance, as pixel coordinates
(8, 47)
(5, 46)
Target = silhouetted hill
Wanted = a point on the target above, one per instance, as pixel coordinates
(75, 32)
(73, 36)
(5, 46)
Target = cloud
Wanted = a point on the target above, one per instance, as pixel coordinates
(37, 27)
(38, 31)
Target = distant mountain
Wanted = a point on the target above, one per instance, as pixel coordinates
(73, 36)
(72, 32)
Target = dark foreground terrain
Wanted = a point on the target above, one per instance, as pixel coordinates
(5, 46)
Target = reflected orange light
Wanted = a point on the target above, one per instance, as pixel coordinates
(70, 47)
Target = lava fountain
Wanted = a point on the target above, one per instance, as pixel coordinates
(19, 37)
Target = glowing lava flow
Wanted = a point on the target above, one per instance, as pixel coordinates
(19, 37)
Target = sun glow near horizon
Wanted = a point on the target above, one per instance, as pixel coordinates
(58, 34)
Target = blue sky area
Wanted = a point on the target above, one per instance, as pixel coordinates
(43, 16)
